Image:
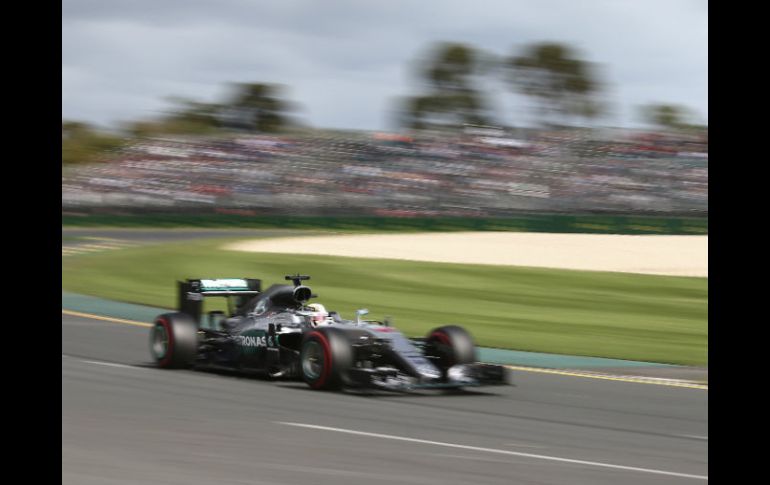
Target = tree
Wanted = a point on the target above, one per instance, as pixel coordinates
(70, 129)
(185, 118)
(256, 106)
(451, 97)
(82, 143)
(667, 116)
(561, 84)
(204, 115)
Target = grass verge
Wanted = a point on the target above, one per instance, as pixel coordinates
(624, 316)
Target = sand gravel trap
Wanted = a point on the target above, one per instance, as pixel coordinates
(664, 255)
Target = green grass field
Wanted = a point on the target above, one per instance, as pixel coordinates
(635, 317)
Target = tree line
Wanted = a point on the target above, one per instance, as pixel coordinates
(563, 88)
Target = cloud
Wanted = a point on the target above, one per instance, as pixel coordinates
(345, 60)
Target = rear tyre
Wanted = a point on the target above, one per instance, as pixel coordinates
(450, 345)
(325, 358)
(174, 340)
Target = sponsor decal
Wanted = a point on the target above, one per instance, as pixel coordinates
(224, 284)
(194, 296)
(255, 341)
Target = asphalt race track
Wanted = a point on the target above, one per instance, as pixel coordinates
(124, 421)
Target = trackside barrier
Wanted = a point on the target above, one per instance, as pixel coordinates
(553, 223)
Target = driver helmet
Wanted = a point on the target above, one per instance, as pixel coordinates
(319, 316)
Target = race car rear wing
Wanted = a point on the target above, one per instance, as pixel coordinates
(192, 292)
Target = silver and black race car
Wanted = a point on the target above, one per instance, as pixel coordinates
(276, 332)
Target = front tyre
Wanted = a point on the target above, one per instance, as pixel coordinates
(325, 358)
(450, 345)
(174, 340)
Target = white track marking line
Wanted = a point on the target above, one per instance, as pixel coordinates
(102, 244)
(612, 377)
(104, 239)
(98, 246)
(110, 364)
(494, 450)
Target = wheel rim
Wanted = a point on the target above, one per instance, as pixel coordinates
(312, 360)
(442, 348)
(160, 342)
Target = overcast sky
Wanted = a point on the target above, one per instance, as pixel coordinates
(346, 61)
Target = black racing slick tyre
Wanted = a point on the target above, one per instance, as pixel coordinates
(325, 358)
(450, 345)
(174, 340)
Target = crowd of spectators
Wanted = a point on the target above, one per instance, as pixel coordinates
(479, 172)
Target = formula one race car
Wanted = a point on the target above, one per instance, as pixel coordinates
(277, 333)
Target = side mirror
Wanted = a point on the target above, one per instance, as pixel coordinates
(360, 313)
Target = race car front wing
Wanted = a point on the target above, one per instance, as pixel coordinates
(458, 376)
